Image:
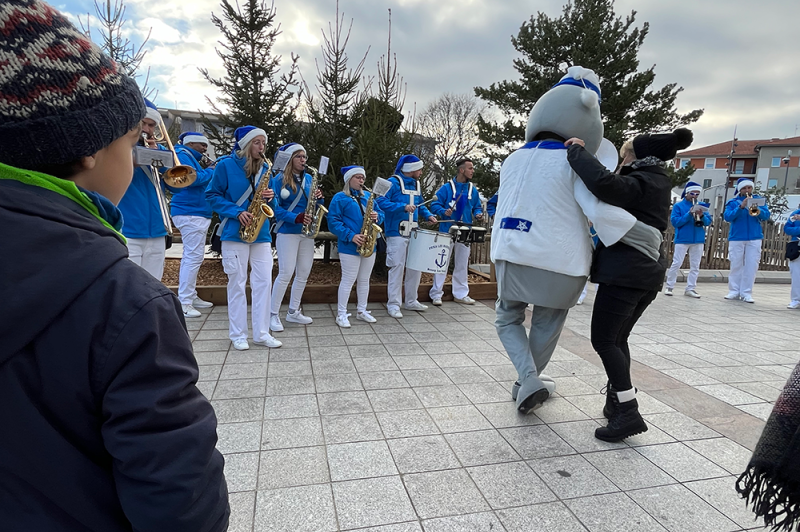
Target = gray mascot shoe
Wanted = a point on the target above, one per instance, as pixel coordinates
(532, 393)
(547, 380)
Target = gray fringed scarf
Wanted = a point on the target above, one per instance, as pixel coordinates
(771, 483)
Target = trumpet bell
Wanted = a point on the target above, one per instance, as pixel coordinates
(180, 176)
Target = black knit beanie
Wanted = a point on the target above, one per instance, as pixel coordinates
(664, 146)
(61, 98)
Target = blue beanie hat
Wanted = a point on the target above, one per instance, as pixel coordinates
(193, 136)
(744, 182)
(349, 171)
(408, 163)
(245, 134)
(691, 186)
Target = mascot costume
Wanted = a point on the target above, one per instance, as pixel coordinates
(541, 247)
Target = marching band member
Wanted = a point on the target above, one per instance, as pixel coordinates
(491, 206)
(457, 200)
(400, 204)
(191, 214)
(346, 220)
(144, 208)
(236, 178)
(792, 228)
(690, 235)
(744, 242)
(292, 187)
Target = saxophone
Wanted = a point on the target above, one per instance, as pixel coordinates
(370, 230)
(258, 208)
(311, 230)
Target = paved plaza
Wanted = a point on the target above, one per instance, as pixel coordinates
(408, 425)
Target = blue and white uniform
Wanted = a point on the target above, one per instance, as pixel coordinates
(191, 214)
(405, 191)
(744, 243)
(689, 238)
(792, 228)
(229, 194)
(465, 202)
(295, 252)
(345, 220)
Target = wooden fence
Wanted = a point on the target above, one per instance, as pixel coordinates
(715, 255)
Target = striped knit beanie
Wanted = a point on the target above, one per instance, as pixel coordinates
(56, 84)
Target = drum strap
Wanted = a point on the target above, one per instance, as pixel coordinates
(453, 188)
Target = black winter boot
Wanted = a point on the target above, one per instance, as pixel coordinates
(611, 401)
(624, 422)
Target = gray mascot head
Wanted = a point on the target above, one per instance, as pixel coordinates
(570, 109)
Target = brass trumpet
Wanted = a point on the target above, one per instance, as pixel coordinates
(753, 209)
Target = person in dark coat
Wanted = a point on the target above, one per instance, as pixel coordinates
(628, 279)
(103, 428)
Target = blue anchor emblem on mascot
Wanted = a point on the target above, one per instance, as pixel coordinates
(442, 260)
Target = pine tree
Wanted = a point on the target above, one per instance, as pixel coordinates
(588, 34)
(253, 90)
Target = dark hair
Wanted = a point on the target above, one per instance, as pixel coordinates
(462, 162)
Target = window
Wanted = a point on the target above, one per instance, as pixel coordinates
(776, 162)
(739, 168)
(685, 162)
(710, 163)
(773, 183)
(706, 183)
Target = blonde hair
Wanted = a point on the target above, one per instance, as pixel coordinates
(252, 165)
(626, 149)
(288, 178)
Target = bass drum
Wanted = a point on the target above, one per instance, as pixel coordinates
(429, 251)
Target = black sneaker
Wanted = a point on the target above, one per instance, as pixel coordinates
(624, 423)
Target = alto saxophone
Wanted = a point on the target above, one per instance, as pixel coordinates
(259, 208)
(370, 230)
(314, 211)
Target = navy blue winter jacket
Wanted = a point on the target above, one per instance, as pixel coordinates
(101, 426)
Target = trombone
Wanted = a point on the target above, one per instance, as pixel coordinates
(180, 175)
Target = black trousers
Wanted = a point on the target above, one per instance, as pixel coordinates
(616, 311)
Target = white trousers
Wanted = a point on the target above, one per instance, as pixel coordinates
(744, 256)
(460, 268)
(695, 254)
(148, 253)
(396, 250)
(354, 268)
(295, 257)
(193, 235)
(235, 256)
(794, 269)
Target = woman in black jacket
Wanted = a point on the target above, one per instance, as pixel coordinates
(628, 279)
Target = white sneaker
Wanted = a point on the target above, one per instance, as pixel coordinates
(732, 295)
(201, 303)
(437, 302)
(692, 293)
(748, 299)
(668, 292)
(190, 312)
(394, 312)
(415, 305)
(366, 316)
(269, 342)
(342, 321)
(580, 301)
(297, 317)
(275, 323)
(466, 300)
(241, 345)
(793, 305)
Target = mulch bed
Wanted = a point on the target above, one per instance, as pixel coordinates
(211, 274)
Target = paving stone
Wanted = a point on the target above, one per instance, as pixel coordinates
(435, 396)
(423, 453)
(239, 437)
(331, 404)
(414, 362)
(481, 447)
(349, 461)
(426, 377)
(291, 433)
(510, 484)
(558, 409)
(240, 388)
(238, 410)
(485, 392)
(405, 423)
(209, 373)
(347, 382)
(290, 406)
(371, 502)
(351, 428)
(462, 375)
(241, 471)
(580, 436)
(550, 517)
(628, 469)
(364, 365)
(444, 493)
(412, 526)
(502, 415)
(680, 426)
(613, 512)
(761, 410)
(379, 380)
(721, 494)
(680, 510)
(396, 399)
(537, 441)
(572, 476)
(290, 385)
(289, 369)
(210, 357)
(283, 468)
(482, 522)
(729, 394)
(300, 509)
(681, 462)
(723, 452)
(242, 509)
(244, 371)
(458, 418)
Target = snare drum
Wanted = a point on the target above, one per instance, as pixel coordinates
(429, 251)
(466, 234)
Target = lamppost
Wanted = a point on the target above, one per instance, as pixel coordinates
(786, 162)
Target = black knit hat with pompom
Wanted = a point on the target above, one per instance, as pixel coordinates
(664, 146)
(61, 98)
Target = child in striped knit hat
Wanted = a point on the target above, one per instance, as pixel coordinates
(103, 426)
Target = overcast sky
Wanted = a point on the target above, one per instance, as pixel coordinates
(739, 60)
